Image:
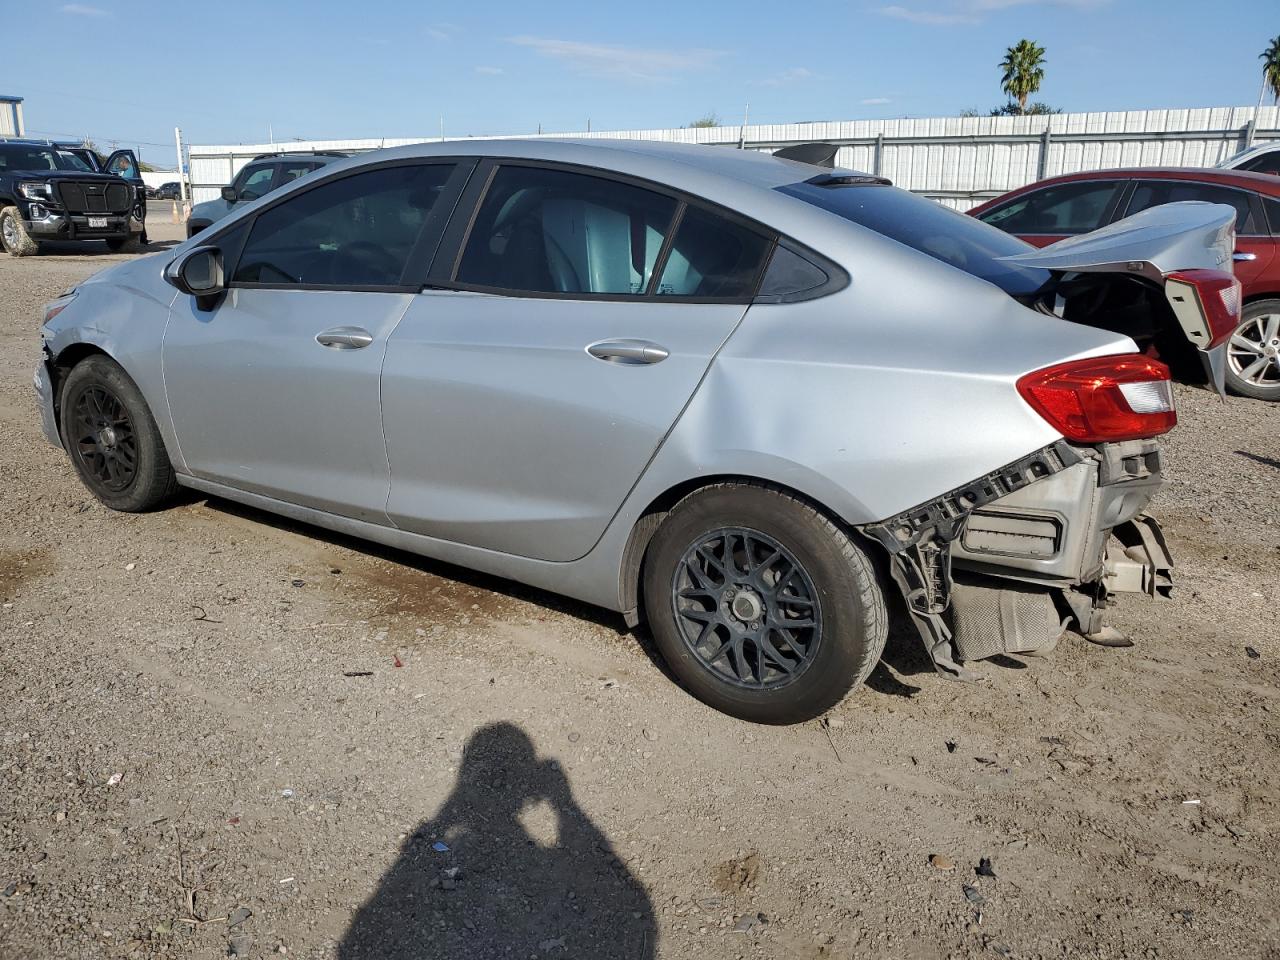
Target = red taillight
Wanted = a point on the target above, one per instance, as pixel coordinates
(1215, 295)
(1103, 399)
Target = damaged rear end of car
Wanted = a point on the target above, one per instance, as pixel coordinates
(1008, 561)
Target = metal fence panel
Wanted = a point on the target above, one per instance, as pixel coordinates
(959, 161)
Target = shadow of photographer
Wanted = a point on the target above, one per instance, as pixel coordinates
(498, 890)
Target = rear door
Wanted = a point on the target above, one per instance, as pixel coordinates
(1057, 211)
(564, 331)
(1255, 248)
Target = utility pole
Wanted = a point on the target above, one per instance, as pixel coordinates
(183, 172)
(742, 131)
(442, 128)
(1253, 127)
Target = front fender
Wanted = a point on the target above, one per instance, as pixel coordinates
(123, 315)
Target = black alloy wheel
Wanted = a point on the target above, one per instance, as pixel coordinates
(746, 608)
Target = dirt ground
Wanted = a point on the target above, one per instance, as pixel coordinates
(223, 733)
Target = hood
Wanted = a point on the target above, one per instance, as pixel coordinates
(1174, 236)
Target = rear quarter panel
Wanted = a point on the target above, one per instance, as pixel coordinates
(883, 396)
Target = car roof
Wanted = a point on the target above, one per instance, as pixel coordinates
(676, 164)
(1258, 182)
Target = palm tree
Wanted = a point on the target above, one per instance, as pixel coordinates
(1271, 68)
(1023, 67)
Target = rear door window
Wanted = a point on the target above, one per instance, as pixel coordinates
(1153, 193)
(355, 231)
(542, 230)
(1062, 209)
(712, 257)
(292, 170)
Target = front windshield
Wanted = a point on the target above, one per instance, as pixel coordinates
(17, 156)
(929, 227)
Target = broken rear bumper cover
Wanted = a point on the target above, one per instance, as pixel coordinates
(1056, 532)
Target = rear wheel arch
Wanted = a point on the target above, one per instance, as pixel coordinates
(631, 575)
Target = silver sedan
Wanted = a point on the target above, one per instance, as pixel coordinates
(737, 396)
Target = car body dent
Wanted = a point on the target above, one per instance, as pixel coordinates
(122, 311)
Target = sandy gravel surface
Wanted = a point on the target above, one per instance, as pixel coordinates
(222, 733)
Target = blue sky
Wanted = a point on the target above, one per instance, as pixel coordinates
(227, 72)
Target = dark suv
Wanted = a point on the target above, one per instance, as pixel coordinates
(257, 178)
(58, 191)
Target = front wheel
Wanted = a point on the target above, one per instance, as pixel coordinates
(13, 234)
(1253, 352)
(762, 606)
(112, 439)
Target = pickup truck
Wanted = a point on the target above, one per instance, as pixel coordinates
(67, 192)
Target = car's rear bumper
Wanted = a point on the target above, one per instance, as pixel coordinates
(43, 382)
(1055, 531)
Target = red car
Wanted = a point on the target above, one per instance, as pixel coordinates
(1060, 207)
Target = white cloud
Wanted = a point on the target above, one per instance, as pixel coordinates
(875, 101)
(441, 31)
(82, 10)
(489, 71)
(790, 75)
(929, 17)
(974, 11)
(628, 63)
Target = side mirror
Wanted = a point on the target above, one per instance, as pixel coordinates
(197, 272)
(229, 194)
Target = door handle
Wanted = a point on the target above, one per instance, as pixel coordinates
(1240, 257)
(629, 352)
(345, 338)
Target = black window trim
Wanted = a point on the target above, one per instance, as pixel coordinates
(1255, 205)
(444, 271)
(420, 255)
(1117, 203)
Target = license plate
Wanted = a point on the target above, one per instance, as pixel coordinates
(97, 221)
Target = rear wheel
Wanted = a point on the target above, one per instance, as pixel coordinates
(1253, 352)
(761, 605)
(13, 234)
(112, 439)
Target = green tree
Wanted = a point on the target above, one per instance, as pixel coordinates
(1271, 68)
(1023, 67)
(710, 120)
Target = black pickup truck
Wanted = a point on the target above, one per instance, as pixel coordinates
(55, 191)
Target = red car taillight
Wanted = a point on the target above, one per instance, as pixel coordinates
(1212, 294)
(1103, 399)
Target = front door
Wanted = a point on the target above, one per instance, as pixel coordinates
(275, 389)
(522, 402)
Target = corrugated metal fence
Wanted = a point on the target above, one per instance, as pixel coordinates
(959, 161)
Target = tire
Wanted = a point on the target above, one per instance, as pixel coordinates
(127, 469)
(803, 677)
(1260, 325)
(129, 244)
(13, 234)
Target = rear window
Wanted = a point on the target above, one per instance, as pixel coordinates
(922, 224)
